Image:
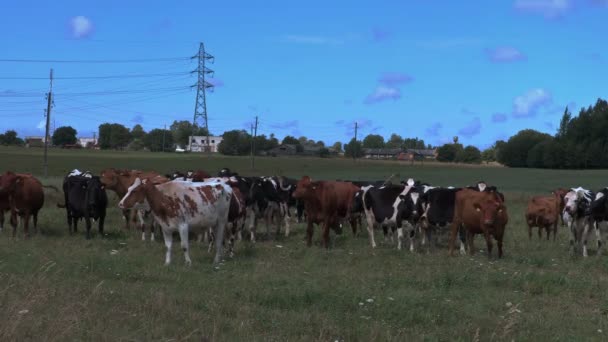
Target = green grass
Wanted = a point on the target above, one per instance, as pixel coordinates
(75, 289)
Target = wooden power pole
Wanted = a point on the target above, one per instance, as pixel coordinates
(48, 123)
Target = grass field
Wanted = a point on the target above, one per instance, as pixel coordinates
(60, 287)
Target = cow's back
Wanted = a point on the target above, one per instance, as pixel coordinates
(29, 194)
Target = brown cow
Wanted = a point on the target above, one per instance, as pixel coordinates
(544, 212)
(326, 203)
(562, 193)
(119, 181)
(479, 213)
(5, 205)
(26, 197)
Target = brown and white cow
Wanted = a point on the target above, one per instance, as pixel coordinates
(479, 213)
(119, 181)
(26, 198)
(544, 212)
(181, 206)
(326, 203)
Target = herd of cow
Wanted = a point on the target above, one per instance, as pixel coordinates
(219, 208)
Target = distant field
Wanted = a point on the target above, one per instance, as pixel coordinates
(61, 287)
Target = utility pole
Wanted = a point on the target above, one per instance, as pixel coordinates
(164, 132)
(355, 143)
(254, 134)
(200, 107)
(49, 105)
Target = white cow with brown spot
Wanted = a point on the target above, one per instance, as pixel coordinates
(181, 206)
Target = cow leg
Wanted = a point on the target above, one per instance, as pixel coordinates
(399, 237)
(1, 219)
(370, 230)
(102, 220)
(470, 239)
(75, 223)
(453, 233)
(488, 243)
(183, 236)
(529, 231)
(584, 239)
(142, 224)
(168, 242)
(286, 217)
(598, 237)
(26, 223)
(540, 232)
(127, 216)
(412, 238)
(35, 219)
(572, 229)
(554, 230)
(326, 224)
(14, 222)
(309, 231)
(219, 241)
(463, 238)
(353, 225)
(499, 243)
(87, 221)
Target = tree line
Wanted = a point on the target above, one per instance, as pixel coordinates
(580, 142)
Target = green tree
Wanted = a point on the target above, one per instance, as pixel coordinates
(563, 124)
(235, 142)
(289, 140)
(136, 145)
(324, 152)
(447, 153)
(471, 155)
(154, 140)
(182, 130)
(395, 141)
(137, 132)
(113, 136)
(65, 135)
(373, 141)
(414, 143)
(515, 151)
(489, 154)
(353, 149)
(337, 146)
(10, 138)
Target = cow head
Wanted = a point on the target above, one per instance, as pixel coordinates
(489, 210)
(575, 201)
(304, 189)
(9, 181)
(412, 203)
(599, 205)
(136, 194)
(95, 193)
(109, 178)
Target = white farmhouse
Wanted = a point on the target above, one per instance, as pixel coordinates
(198, 143)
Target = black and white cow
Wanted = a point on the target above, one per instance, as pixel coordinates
(390, 207)
(268, 203)
(287, 186)
(599, 215)
(85, 197)
(438, 204)
(577, 215)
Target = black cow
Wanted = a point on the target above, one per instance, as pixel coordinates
(599, 215)
(85, 197)
(226, 172)
(438, 204)
(389, 206)
(269, 203)
(287, 186)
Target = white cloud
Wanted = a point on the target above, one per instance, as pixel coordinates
(528, 104)
(81, 27)
(383, 93)
(547, 8)
(41, 125)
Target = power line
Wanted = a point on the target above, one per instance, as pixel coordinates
(99, 61)
(98, 77)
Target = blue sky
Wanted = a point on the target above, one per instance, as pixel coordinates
(481, 70)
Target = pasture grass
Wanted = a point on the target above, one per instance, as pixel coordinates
(59, 287)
